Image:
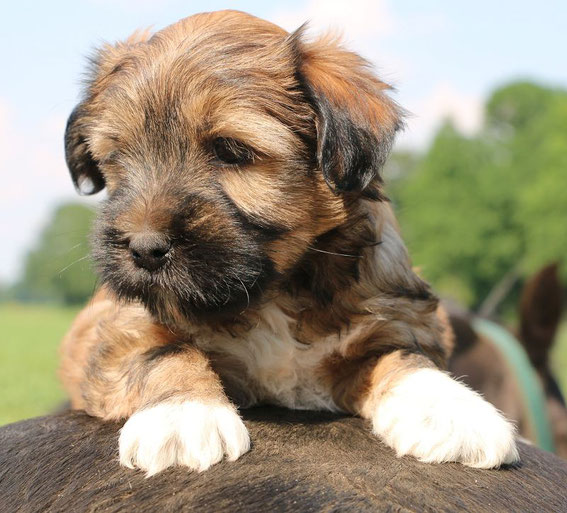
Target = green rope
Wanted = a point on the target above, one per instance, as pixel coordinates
(530, 385)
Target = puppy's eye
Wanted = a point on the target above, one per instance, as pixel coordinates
(231, 151)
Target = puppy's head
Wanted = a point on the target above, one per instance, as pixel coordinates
(227, 147)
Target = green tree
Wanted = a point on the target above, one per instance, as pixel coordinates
(514, 107)
(475, 209)
(58, 268)
(538, 157)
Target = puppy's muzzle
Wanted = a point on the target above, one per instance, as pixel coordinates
(150, 250)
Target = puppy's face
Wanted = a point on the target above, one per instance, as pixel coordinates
(226, 150)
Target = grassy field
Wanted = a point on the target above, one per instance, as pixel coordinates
(29, 337)
(559, 358)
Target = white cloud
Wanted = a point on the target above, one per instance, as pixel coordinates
(356, 18)
(424, 24)
(444, 101)
(128, 5)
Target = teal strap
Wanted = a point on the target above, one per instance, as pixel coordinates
(530, 385)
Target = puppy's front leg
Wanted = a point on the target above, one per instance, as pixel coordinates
(419, 410)
(117, 363)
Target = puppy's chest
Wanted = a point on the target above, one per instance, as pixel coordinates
(271, 364)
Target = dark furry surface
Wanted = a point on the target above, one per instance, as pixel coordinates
(300, 461)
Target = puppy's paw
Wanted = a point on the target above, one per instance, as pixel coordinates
(436, 419)
(188, 433)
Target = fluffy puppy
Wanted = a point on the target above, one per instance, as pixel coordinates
(248, 254)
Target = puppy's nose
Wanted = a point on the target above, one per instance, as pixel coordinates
(149, 250)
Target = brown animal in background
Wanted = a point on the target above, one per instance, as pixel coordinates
(540, 315)
(248, 253)
(482, 366)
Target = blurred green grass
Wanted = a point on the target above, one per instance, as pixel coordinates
(559, 358)
(30, 336)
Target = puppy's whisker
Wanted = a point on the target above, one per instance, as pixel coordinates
(333, 253)
(247, 295)
(257, 276)
(74, 247)
(71, 264)
(228, 294)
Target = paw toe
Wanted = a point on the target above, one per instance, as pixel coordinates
(436, 419)
(192, 434)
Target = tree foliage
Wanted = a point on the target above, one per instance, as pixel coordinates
(473, 209)
(58, 268)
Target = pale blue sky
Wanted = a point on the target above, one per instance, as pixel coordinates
(443, 56)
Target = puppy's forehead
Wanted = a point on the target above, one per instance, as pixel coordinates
(232, 50)
(226, 72)
(229, 45)
(230, 22)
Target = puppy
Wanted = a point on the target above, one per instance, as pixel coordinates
(248, 254)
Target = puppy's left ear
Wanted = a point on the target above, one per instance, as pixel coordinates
(106, 62)
(356, 119)
(84, 170)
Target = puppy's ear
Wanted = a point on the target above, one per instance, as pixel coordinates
(84, 170)
(107, 61)
(356, 120)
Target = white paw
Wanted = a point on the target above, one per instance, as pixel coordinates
(188, 433)
(435, 418)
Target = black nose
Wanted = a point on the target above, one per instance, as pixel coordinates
(149, 250)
